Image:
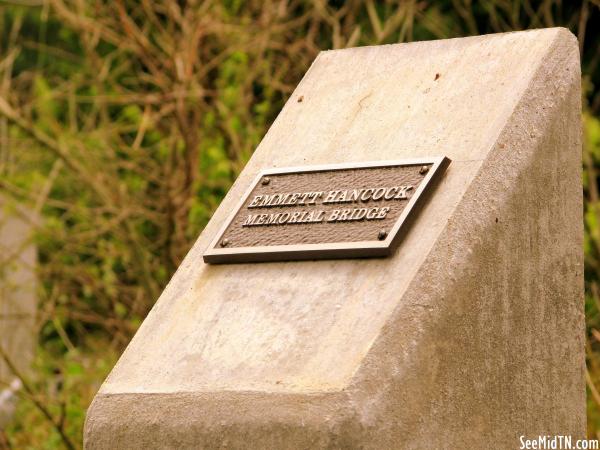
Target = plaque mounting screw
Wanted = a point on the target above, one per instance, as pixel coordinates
(423, 170)
(265, 181)
(224, 242)
(382, 235)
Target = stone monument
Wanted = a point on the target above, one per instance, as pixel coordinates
(399, 265)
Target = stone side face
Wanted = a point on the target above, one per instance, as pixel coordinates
(18, 301)
(473, 332)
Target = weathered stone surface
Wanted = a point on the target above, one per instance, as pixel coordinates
(469, 336)
(18, 301)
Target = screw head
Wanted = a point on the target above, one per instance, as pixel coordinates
(382, 235)
(424, 170)
(265, 181)
(225, 242)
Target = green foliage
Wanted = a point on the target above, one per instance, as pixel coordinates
(66, 387)
(124, 123)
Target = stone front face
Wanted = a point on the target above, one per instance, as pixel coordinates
(18, 301)
(468, 336)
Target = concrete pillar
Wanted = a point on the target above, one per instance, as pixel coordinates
(18, 301)
(469, 336)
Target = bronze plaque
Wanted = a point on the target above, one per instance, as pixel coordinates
(335, 211)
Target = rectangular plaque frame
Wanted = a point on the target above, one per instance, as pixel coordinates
(215, 254)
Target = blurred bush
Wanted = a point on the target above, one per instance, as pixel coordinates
(123, 123)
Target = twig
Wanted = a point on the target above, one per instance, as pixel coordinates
(39, 405)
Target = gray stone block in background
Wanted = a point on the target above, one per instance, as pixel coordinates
(18, 301)
(469, 336)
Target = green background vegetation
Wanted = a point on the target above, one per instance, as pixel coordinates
(123, 124)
